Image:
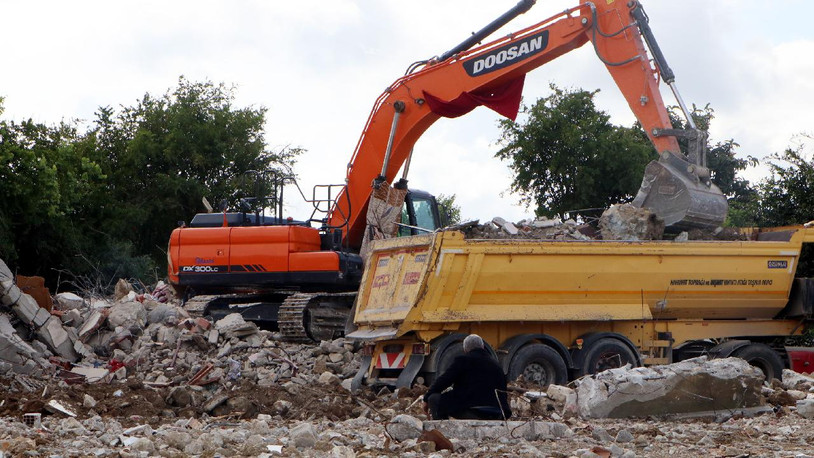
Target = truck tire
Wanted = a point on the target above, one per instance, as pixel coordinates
(763, 357)
(539, 364)
(692, 349)
(607, 353)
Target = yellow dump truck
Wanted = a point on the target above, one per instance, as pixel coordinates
(555, 310)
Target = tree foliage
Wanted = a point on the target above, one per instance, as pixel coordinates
(449, 211)
(103, 202)
(165, 153)
(46, 187)
(567, 155)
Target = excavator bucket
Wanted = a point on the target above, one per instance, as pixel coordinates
(679, 197)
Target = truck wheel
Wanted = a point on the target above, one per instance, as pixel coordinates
(763, 357)
(607, 353)
(539, 364)
(692, 350)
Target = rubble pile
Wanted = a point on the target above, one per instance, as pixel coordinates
(537, 229)
(619, 222)
(147, 379)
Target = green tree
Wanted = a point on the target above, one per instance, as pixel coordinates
(449, 210)
(786, 196)
(46, 186)
(567, 155)
(165, 153)
(724, 164)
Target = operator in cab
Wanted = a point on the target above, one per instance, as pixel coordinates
(478, 387)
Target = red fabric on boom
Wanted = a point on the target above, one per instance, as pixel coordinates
(503, 99)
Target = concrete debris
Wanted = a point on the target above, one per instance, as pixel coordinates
(92, 374)
(303, 435)
(481, 430)
(539, 229)
(123, 289)
(806, 408)
(233, 325)
(47, 328)
(510, 228)
(151, 380)
(405, 427)
(69, 301)
(127, 314)
(693, 385)
(626, 222)
(55, 406)
(794, 381)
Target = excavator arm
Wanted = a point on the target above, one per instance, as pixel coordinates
(676, 187)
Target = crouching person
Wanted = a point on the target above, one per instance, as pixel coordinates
(478, 387)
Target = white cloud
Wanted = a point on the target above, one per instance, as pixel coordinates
(319, 67)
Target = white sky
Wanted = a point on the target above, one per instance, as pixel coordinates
(319, 66)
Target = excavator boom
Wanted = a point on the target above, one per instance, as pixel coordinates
(677, 187)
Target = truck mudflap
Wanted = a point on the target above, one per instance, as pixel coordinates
(410, 371)
(356, 383)
(404, 380)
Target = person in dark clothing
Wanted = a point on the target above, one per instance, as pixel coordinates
(478, 387)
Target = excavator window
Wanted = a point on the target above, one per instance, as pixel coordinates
(420, 209)
(424, 215)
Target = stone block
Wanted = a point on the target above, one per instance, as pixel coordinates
(405, 427)
(627, 222)
(303, 435)
(68, 301)
(806, 408)
(558, 393)
(694, 385)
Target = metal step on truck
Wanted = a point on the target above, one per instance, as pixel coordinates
(553, 311)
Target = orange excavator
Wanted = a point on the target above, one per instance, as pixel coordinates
(306, 277)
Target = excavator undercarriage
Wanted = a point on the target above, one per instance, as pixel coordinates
(300, 317)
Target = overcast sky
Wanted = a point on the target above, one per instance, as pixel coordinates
(319, 66)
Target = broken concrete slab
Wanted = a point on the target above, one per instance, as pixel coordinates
(92, 323)
(72, 318)
(405, 427)
(510, 228)
(92, 374)
(68, 301)
(22, 357)
(693, 385)
(303, 435)
(57, 338)
(806, 408)
(479, 430)
(543, 222)
(233, 325)
(795, 381)
(122, 289)
(55, 406)
(626, 222)
(48, 328)
(127, 314)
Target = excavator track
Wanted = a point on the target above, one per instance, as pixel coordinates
(309, 317)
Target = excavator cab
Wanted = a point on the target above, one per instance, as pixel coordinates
(419, 214)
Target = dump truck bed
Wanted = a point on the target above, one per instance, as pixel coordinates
(432, 281)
